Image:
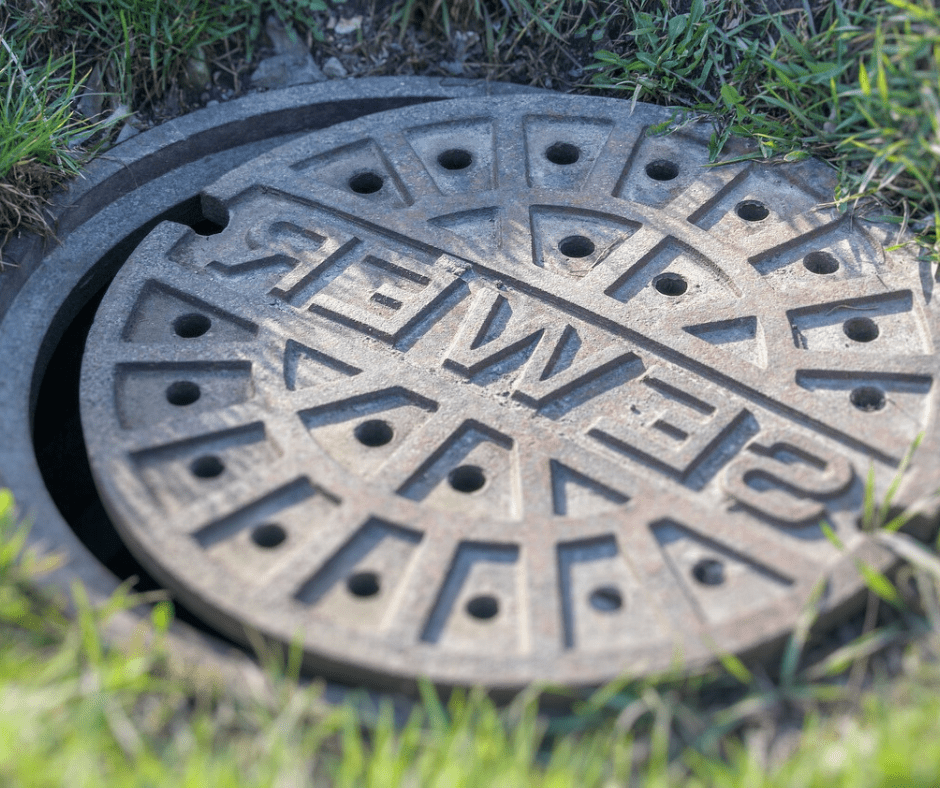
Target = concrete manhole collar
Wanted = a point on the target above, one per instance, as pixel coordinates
(508, 390)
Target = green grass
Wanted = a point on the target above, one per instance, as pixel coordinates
(857, 82)
(38, 134)
(140, 49)
(76, 712)
(122, 55)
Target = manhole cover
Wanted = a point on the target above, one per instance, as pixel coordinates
(509, 390)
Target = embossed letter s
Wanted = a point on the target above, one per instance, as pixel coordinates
(787, 477)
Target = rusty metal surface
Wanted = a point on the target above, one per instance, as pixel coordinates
(509, 390)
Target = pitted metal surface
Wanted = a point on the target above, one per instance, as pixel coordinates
(509, 390)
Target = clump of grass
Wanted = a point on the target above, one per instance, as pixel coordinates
(140, 48)
(121, 55)
(40, 136)
(855, 83)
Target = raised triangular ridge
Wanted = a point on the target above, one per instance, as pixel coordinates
(672, 269)
(603, 606)
(742, 336)
(575, 494)
(460, 156)
(165, 314)
(561, 152)
(720, 583)
(306, 367)
(361, 584)
(361, 432)
(474, 471)
(482, 227)
(361, 170)
(571, 242)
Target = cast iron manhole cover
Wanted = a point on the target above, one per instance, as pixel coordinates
(508, 390)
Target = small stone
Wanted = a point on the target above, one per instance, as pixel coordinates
(172, 103)
(463, 41)
(196, 74)
(282, 71)
(92, 101)
(453, 67)
(334, 69)
(212, 103)
(127, 131)
(346, 26)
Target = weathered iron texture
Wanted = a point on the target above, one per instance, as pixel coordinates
(511, 390)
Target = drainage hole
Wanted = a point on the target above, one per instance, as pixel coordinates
(207, 467)
(709, 572)
(670, 284)
(662, 170)
(861, 329)
(373, 432)
(868, 398)
(182, 392)
(606, 599)
(820, 263)
(752, 210)
(467, 478)
(455, 159)
(363, 584)
(366, 182)
(483, 606)
(192, 325)
(576, 246)
(562, 153)
(268, 535)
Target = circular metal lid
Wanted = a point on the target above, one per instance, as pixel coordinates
(508, 390)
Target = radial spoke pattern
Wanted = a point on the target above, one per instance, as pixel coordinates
(507, 390)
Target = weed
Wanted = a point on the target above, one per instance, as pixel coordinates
(858, 84)
(39, 135)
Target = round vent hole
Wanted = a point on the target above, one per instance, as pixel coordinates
(268, 535)
(662, 170)
(207, 467)
(455, 159)
(709, 572)
(366, 182)
(562, 153)
(192, 325)
(467, 478)
(363, 584)
(374, 432)
(752, 211)
(483, 607)
(606, 599)
(182, 393)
